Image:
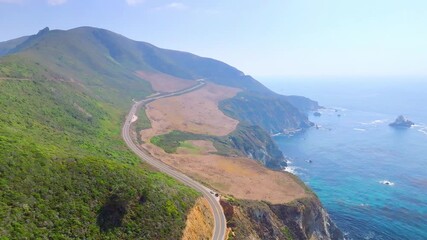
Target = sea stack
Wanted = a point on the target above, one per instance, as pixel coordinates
(401, 122)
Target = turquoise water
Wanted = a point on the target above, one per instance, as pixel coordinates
(351, 155)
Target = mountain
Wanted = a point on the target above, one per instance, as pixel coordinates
(105, 62)
(64, 170)
(97, 52)
(64, 95)
(6, 47)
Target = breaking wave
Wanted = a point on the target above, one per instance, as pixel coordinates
(375, 122)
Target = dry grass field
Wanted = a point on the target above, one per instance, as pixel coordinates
(198, 112)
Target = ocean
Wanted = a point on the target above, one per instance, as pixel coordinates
(371, 178)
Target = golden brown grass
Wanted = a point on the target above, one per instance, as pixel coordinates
(198, 112)
(243, 178)
(195, 112)
(199, 225)
(163, 82)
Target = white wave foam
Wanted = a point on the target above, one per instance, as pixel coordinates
(346, 234)
(370, 235)
(387, 182)
(375, 122)
(423, 131)
(422, 128)
(359, 129)
(290, 170)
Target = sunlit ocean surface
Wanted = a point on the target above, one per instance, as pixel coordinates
(371, 178)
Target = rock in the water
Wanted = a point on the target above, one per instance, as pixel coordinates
(317, 114)
(401, 121)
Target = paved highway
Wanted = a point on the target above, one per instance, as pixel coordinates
(219, 218)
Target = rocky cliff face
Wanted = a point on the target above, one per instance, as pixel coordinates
(310, 220)
(273, 113)
(303, 104)
(255, 143)
(302, 219)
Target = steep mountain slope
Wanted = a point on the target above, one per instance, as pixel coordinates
(88, 53)
(105, 63)
(79, 56)
(86, 198)
(65, 172)
(65, 94)
(5, 47)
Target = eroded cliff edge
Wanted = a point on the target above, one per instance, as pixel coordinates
(300, 219)
(304, 218)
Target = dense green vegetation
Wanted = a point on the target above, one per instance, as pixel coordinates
(88, 198)
(65, 172)
(142, 123)
(171, 141)
(60, 121)
(191, 148)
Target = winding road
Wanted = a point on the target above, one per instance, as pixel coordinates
(219, 218)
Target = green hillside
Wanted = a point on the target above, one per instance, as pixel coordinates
(65, 172)
(5, 47)
(86, 198)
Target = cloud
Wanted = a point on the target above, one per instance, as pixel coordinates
(177, 6)
(173, 6)
(134, 2)
(56, 2)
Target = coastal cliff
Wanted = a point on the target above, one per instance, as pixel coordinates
(301, 219)
(246, 141)
(273, 112)
(255, 143)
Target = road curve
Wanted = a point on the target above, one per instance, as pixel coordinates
(219, 218)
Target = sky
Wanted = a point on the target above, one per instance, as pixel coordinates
(263, 38)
